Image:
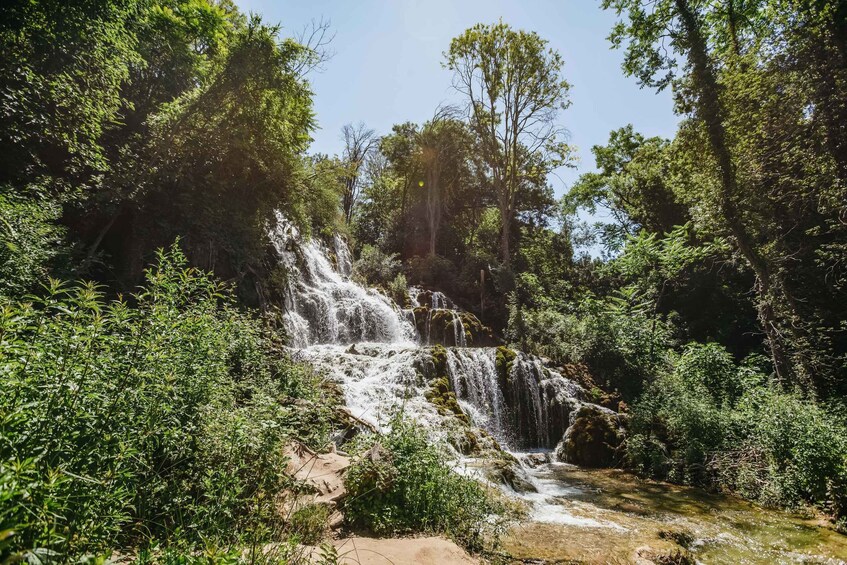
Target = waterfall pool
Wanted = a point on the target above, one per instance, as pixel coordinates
(609, 516)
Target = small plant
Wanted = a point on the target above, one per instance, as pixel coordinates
(309, 523)
(377, 267)
(401, 483)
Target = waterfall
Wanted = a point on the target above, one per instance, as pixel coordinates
(343, 257)
(473, 375)
(439, 302)
(323, 306)
(527, 408)
(362, 340)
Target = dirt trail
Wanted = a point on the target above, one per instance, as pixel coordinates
(400, 551)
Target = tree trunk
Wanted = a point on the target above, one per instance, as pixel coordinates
(505, 234)
(711, 112)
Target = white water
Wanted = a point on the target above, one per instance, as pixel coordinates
(371, 348)
(323, 305)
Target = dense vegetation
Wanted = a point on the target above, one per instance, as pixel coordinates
(158, 417)
(150, 406)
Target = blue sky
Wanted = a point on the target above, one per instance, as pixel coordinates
(387, 65)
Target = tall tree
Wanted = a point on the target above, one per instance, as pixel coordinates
(359, 141)
(444, 144)
(762, 150)
(514, 88)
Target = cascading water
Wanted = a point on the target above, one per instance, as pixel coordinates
(439, 302)
(372, 349)
(325, 312)
(323, 306)
(524, 405)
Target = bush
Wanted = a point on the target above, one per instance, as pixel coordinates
(794, 448)
(125, 424)
(398, 289)
(376, 267)
(622, 349)
(30, 240)
(402, 484)
(713, 423)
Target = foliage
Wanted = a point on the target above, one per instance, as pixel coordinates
(708, 421)
(514, 89)
(632, 184)
(376, 267)
(61, 75)
(30, 240)
(401, 483)
(622, 345)
(156, 419)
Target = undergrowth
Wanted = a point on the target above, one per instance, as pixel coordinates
(151, 421)
(401, 483)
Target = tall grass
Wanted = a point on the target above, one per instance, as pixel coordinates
(159, 418)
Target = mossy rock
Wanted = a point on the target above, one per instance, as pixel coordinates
(508, 472)
(503, 360)
(437, 324)
(592, 440)
(477, 334)
(440, 393)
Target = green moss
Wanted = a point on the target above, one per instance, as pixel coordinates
(445, 399)
(503, 362)
(440, 392)
(438, 355)
(592, 440)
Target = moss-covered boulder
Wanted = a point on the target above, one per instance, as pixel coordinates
(444, 399)
(503, 360)
(508, 471)
(447, 327)
(592, 440)
(433, 369)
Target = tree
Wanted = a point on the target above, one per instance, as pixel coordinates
(632, 183)
(444, 143)
(514, 88)
(762, 152)
(679, 22)
(359, 141)
(61, 74)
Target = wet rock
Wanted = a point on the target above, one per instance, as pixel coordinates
(450, 327)
(445, 399)
(533, 460)
(475, 442)
(592, 440)
(646, 555)
(509, 472)
(683, 538)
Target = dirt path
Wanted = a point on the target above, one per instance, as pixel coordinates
(401, 551)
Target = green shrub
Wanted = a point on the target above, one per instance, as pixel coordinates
(401, 483)
(30, 240)
(623, 349)
(377, 267)
(795, 448)
(123, 424)
(711, 422)
(398, 289)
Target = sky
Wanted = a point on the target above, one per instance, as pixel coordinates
(387, 66)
